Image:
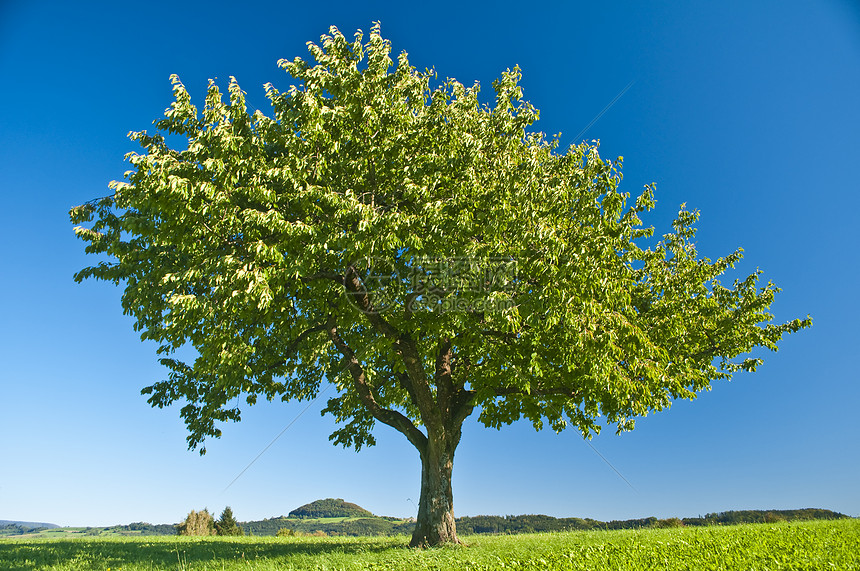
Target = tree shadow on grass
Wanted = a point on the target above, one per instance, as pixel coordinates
(157, 554)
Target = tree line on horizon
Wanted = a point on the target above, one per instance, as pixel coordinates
(544, 523)
(196, 523)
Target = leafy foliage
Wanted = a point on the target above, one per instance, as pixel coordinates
(240, 243)
(427, 253)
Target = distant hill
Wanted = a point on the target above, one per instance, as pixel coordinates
(27, 524)
(330, 507)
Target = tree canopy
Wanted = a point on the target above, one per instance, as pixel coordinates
(427, 253)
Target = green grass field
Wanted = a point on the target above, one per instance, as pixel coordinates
(800, 546)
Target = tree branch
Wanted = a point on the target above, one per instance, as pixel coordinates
(711, 352)
(462, 406)
(337, 278)
(392, 418)
(416, 385)
(355, 288)
(298, 340)
(501, 334)
(547, 392)
(444, 383)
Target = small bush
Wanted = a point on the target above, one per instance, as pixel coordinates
(197, 523)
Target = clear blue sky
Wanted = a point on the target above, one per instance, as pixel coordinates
(747, 111)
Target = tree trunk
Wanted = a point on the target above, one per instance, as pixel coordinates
(435, 524)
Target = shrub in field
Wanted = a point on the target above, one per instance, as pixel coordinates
(286, 532)
(198, 523)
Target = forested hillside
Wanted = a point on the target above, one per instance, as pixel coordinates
(330, 507)
(27, 524)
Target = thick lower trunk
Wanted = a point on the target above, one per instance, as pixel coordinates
(442, 415)
(435, 525)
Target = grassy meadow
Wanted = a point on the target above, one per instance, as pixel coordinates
(800, 546)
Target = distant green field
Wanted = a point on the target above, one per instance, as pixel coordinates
(64, 532)
(764, 547)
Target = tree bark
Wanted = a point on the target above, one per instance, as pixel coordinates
(435, 525)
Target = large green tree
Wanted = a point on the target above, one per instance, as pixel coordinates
(428, 254)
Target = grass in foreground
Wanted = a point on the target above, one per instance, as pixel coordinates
(807, 545)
